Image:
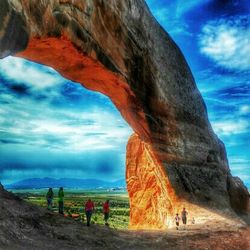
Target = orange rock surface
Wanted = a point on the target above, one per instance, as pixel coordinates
(63, 56)
(150, 193)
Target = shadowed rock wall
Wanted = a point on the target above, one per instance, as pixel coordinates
(117, 48)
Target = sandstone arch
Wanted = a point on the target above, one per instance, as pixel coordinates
(117, 48)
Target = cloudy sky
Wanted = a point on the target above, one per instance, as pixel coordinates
(52, 127)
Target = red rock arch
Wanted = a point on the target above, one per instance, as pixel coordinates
(118, 49)
(149, 189)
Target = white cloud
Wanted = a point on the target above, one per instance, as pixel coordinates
(34, 75)
(40, 125)
(240, 166)
(210, 81)
(227, 42)
(185, 6)
(162, 14)
(54, 126)
(174, 9)
(170, 17)
(244, 109)
(240, 161)
(230, 127)
(79, 128)
(53, 130)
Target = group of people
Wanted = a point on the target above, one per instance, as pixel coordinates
(184, 214)
(90, 209)
(50, 197)
(89, 205)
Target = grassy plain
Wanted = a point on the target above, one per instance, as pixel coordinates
(75, 199)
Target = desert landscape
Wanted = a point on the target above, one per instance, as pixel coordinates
(26, 226)
(173, 157)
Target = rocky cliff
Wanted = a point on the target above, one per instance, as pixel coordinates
(118, 49)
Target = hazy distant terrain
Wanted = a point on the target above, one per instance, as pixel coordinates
(37, 183)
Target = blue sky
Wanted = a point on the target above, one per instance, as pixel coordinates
(53, 127)
(56, 128)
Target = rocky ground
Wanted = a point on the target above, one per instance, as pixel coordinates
(24, 226)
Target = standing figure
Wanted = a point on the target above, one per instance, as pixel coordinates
(106, 211)
(177, 221)
(193, 221)
(60, 200)
(184, 214)
(49, 197)
(89, 209)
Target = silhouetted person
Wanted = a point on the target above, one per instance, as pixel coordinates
(184, 214)
(89, 209)
(60, 200)
(177, 221)
(106, 211)
(49, 197)
(193, 221)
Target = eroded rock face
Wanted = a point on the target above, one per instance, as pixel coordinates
(117, 48)
(150, 192)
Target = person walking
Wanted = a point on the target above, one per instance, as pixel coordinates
(177, 221)
(60, 200)
(106, 211)
(89, 209)
(49, 197)
(184, 214)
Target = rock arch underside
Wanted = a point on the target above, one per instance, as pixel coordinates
(174, 159)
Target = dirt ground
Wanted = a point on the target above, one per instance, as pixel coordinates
(25, 226)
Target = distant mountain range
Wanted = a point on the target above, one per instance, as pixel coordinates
(66, 183)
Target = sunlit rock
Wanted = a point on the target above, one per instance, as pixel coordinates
(151, 194)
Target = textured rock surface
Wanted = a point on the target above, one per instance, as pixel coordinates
(151, 194)
(117, 48)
